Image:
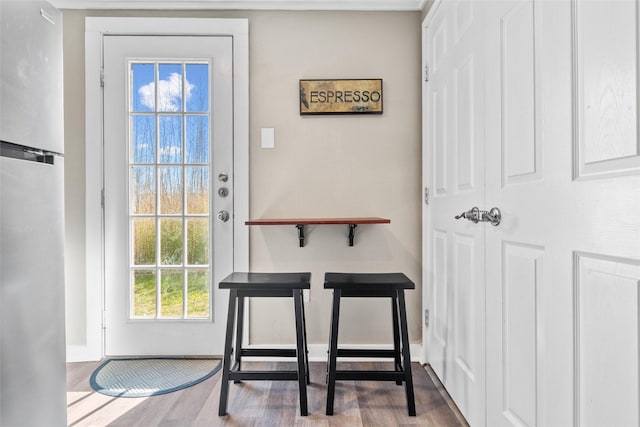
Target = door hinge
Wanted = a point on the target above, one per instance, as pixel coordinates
(102, 198)
(426, 72)
(426, 318)
(101, 77)
(426, 195)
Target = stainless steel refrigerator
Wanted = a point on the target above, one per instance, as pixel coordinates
(32, 330)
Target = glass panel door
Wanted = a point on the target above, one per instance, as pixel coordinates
(168, 130)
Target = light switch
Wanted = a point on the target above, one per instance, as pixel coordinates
(268, 138)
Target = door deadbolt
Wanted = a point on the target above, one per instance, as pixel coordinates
(223, 192)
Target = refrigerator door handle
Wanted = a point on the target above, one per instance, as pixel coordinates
(46, 158)
(21, 152)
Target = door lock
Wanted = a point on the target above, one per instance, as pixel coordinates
(223, 192)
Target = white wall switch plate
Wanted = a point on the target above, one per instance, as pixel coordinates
(268, 138)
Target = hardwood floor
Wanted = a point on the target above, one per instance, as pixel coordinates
(263, 403)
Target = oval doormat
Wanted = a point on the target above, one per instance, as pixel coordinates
(150, 377)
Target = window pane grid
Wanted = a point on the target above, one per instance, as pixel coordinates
(171, 204)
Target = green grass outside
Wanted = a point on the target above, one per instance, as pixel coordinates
(171, 293)
(172, 252)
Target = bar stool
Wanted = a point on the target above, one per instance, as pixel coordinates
(267, 285)
(374, 285)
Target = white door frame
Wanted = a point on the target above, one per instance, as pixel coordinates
(95, 28)
(426, 185)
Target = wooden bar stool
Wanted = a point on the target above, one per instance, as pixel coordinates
(371, 285)
(266, 285)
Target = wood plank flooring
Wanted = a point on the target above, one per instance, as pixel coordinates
(263, 403)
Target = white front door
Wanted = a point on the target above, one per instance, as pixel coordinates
(563, 163)
(168, 159)
(454, 174)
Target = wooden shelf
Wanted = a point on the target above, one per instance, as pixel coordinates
(310, 221)
(301, 222)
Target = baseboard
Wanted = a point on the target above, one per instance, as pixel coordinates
(445, 395)
(318, 352)
(82, 353)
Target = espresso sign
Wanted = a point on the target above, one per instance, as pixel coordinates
(341, 96)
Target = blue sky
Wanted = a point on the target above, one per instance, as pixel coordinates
(169, 92)
(169, 87)
(179, 132)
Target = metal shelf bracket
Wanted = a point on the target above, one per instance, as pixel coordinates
(300, 228)
(352, 229)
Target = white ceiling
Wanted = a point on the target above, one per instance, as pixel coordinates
(243, 4)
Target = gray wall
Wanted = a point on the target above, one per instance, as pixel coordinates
(321, 166)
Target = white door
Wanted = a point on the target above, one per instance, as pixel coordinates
(454, 174)
(168, 157)
(563, 163)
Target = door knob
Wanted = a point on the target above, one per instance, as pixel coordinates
(223, 216)
(223, 177)
(494, 216)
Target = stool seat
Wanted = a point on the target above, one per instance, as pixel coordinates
(367, 281)
(371, 285)
(266, 281)
(241, 285)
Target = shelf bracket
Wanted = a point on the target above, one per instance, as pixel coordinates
(352, 228)
(300, 228)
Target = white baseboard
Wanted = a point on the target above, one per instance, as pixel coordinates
(82, 353)
(318, 352)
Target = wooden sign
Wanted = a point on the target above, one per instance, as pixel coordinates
(347, 96)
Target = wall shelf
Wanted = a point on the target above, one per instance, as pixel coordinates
(301, 222)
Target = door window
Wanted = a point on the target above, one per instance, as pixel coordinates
(169, 200)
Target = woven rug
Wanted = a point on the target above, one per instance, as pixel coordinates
(150, 377)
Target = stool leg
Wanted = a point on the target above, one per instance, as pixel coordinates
(237, 351)
(306, 348)
(224, 385)
(396, 336)
(333, 350)
(300, 345)
(408, 384)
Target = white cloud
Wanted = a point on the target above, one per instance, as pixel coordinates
(169, 92)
